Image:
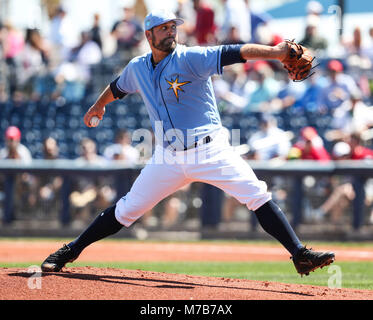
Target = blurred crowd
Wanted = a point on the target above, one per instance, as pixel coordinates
(338, 97)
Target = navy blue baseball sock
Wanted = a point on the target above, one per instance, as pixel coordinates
(274, 222)
(103, 226)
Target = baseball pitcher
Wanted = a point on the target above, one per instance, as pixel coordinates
(191, 145)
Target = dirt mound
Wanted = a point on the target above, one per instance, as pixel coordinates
(113, 284)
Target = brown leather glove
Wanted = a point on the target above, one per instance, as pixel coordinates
(298, 61)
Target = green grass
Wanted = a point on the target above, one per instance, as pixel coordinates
(358, 275)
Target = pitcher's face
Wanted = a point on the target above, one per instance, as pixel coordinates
(163, 37)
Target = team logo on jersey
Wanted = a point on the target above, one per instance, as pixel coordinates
(175, 86)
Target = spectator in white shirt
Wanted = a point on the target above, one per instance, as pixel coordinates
(270, 141)
(122, 150)
(13, 148)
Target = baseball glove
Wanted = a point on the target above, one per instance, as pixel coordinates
(298, 61)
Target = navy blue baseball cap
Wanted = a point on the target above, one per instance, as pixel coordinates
(158, 17)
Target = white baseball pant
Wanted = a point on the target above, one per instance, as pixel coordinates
(215, 163)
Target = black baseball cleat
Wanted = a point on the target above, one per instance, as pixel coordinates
(306, 260)
(57, 260)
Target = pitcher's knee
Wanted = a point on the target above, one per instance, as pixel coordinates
(256, 202)
(127, 213)
(254, 195)
(258, 196)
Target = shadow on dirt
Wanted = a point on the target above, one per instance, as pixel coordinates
(148, 280)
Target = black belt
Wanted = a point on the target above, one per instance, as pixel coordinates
(205, 140)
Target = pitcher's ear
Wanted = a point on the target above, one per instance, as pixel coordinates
(148, 35)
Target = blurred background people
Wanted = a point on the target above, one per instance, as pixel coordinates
(62, 36)
(270, 141)
(128, 33)
(90, 193)
(261, 88)
(73, 75)
(12, 43)
(338, 89)
(343, 193)
(236, 17)
(205, 27)
(257, 20)
(50, 149)
(32, 62)
(95, 31)
(353, 115)
(25, 186)
(230, 89)
(13, 148)
(122, 150)
(358, 150)
(309, 146)
(312, 38)
(49, 186)
(86, 54)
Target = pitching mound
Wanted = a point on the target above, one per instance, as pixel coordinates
(113, 284)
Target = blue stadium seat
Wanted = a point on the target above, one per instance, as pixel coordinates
(104, 136)
(245, 123)
(15, 120)
(121, 123)
(298, 122)
(75, 136)
(37, 120)
(32, 137)
(323, 121)
(4, 123)
(76, 110)
(50, 123)
(58, 134)
(61, 121)
(120, 109)
(143, 111)
(73, 123)
(146, 123)
(35, 148)
(26, 124)
(107, 122)
(227, 122)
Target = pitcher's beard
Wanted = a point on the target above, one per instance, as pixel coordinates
(164, 46)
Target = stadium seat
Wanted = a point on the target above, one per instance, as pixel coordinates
(4, 124)
(26, 124)
(298, 122)
(73, 123)
(227, 122)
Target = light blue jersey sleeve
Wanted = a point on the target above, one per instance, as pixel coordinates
(204, 62)
(127, 80)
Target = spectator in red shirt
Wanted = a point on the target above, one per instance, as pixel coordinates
(205, 27)
(359, 152)
(310, 146)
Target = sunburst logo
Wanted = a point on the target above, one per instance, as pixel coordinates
(175, 86)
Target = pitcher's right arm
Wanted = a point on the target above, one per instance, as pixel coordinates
(110, 94)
